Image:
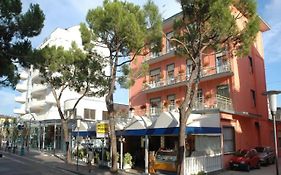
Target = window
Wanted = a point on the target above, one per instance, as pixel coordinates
(71, 114)
(221, 62)
(155, 106)
(170, 74)
(223, 91)
(251, 64)
(188, 69)
(171, 102)
(168, 44)
(253, 94)
(89, 114)
(155, 77)
(105, 115)
(199, 101)
(228, 139)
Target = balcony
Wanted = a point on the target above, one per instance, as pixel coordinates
(22, 87)
(217, 102)
(38, 90)
(36, 106)
(36, 78)
(206, 74)
(24, 75)
(20, 111)
(157, 57)
(21, 99)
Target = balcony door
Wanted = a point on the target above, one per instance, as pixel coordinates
(155, 106)
(154, 77)
(223, 91)
(221, 63)
(169, 47)
(223, 97)
(171, 102)
(170, 74)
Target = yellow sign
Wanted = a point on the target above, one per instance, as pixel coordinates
(102, 129)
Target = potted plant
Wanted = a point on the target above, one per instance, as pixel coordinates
(178, 102)
(208, 95)
(143, 107)
(127, 161)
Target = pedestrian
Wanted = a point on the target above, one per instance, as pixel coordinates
(90, 158)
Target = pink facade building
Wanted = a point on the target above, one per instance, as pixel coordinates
(230, 87)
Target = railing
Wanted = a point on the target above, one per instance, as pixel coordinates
(219, 102)
(206, 164)
(206, 71)
(153, 55)
(154, 111)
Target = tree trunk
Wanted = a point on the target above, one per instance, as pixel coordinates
(181, 146)
(110, 108)
(66, 140)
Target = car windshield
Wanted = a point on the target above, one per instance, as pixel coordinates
(260, 149)
(240, 153)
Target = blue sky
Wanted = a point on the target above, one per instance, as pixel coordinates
(67, 13)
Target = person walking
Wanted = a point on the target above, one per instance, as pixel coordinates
(90, 158)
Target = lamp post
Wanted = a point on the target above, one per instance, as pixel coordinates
(77, 142)
(272, 97)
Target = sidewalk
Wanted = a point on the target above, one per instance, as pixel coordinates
(58, 162)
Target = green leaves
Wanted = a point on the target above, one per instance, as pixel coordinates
(125, 29)
(72, 68)
(15, 29)
(215, 23)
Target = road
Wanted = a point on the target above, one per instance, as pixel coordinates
(11, 164)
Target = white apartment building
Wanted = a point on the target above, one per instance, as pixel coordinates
(38, 103)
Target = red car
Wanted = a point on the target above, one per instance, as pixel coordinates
(245, 160)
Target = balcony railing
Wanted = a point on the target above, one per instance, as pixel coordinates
(153, 56)
(154, 111)
(205, 72)
(219, 102)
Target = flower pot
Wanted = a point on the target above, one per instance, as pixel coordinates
(127, 166)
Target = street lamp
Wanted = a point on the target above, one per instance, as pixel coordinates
(272, 97)
(77, 142)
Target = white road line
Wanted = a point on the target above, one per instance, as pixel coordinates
(15, 160)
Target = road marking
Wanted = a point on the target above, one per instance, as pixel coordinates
(15, 160)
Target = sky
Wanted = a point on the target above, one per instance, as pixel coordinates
(67, 13)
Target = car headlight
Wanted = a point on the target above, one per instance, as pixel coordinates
(242, 162)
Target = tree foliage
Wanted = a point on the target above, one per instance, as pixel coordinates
(70, 69)
(15, 30)
(125, 29)
(210, 24)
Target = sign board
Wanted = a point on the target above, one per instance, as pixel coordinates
(102, 129)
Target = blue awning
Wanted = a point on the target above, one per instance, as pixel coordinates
(169, 131)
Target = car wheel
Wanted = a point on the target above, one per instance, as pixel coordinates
(258, 165)
(248, 168)
(273, 161)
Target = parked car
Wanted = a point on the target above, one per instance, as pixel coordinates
(245, 160)
(266, 155)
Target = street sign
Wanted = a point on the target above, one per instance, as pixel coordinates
(102, 129)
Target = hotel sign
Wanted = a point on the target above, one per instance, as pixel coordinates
(102, 129)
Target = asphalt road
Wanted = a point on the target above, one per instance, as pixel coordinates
(19, 165)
